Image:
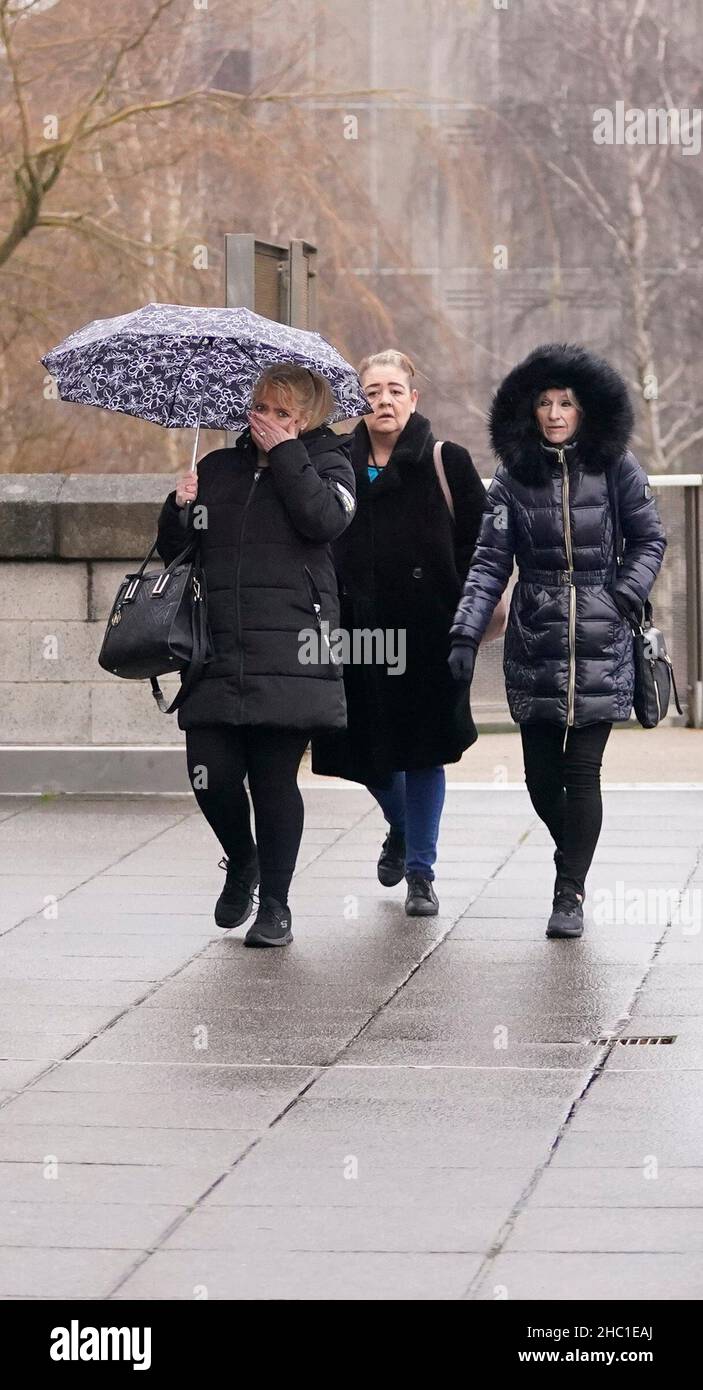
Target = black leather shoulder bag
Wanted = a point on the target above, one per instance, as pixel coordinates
(158, 623)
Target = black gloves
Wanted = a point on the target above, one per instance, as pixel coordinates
(462, 659)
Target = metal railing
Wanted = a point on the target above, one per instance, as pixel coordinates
(677, 599)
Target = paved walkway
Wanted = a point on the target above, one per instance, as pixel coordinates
(388, 1109)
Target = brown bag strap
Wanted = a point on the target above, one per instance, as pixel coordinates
(442, 478)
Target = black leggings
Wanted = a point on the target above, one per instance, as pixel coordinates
(219, 757)
(564, 787)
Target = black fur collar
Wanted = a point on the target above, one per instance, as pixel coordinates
(607, 422)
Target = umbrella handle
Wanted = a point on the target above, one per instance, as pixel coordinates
(185, 511)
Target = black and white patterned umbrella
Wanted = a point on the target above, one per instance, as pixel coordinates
(182, 366)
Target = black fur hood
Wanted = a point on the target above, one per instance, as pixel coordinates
(607, 423)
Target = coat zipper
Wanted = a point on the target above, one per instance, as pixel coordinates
(571, 689)
(316, 599)
(252, 489)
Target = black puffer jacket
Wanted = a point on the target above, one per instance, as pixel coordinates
(568, 650)
(266, 558)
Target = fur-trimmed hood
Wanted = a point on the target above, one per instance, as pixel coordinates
(605, 429)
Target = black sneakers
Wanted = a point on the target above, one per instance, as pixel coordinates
(391, 861)
(421, 900)
(567, 914)
(236, 901)
(272, 926)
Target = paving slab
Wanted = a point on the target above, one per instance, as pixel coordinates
(478, 1051)
(619, 1187)
(258, 1181)
(106, 1144)
(648, 1149)
(389, 1149)
(185, 1110)
(418, 1230)
(654, 1229)
(595, 1277)
(61, 1274)
(301, 1276)
(78, 1224)
(90, 1184)
(201, 1078)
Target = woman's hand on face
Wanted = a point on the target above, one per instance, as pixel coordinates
(186, 488)
(267, 431)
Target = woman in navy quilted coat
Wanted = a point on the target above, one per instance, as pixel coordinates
(560, 423)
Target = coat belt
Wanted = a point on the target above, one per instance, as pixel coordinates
(551, 578)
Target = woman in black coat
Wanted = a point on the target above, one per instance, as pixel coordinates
(560, 424)
(266, 511)
(401, 565)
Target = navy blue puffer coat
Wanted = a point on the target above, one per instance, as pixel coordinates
(568, 651)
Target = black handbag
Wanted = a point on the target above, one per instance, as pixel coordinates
(158, 624)
(654, 672)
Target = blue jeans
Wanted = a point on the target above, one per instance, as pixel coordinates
(412, 805)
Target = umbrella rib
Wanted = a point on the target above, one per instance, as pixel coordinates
(200, 407)
(177, 387)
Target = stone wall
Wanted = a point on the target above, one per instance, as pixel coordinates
(65, 544)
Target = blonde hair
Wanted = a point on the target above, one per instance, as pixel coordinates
(390, 357)
(298, 387)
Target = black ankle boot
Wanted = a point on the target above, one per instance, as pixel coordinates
(236, 901)
(272, 926)
(391, 861)
(421, 900)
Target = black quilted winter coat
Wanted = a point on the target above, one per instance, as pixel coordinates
(267, 561)
(568, 651)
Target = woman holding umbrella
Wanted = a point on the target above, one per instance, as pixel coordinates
(266, 513)
(401, 565)
(560, 424)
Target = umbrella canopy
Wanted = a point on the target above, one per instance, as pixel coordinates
(182, 366)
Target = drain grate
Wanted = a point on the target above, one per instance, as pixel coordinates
(649, 1041)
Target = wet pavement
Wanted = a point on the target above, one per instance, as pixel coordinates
(391, 1108)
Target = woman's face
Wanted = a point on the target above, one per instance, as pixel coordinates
(557, 415)
(393, 400)
(268, 405)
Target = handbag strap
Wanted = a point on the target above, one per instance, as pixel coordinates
(619, 540)
(194, 669)
(442, 478)
(673, 685)
(138, 575)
